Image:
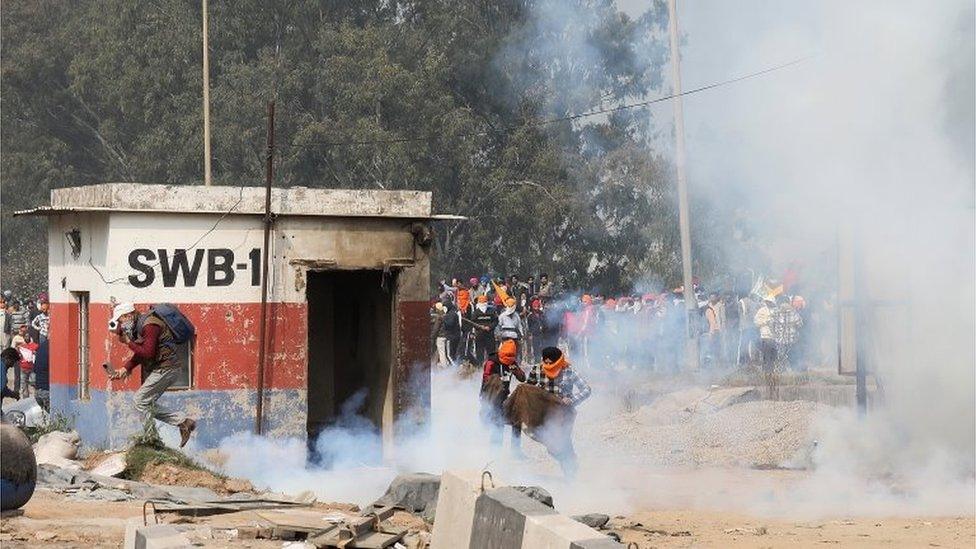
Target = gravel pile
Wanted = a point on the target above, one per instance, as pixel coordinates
(687, 428)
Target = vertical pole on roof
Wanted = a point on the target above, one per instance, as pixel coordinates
(691, 302)
(206, 100)
(268, 221)
(860, 320)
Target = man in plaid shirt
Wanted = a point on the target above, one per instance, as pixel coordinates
(556, 376)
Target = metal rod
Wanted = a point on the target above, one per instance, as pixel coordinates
(206, 100)
(268, 221)
(684, 222)
(860, 322)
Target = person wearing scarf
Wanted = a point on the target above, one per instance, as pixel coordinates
(510, 323)
(496, 382)
(556, 376)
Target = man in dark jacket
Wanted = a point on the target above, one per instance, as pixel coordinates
(485, 319)
(42, 383)
(11, 359)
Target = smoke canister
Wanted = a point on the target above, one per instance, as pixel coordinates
(18, 468)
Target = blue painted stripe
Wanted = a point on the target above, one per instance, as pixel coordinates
(109, 419)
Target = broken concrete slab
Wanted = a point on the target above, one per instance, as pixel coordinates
(412, 492)
(719, 398)
(155, 536)
(190, 494)
(68, 480)
(112, 466)
(593, 520)
(681, 405)
(537, 493)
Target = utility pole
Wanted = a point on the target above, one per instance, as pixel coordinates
(265, 253)
(691, 302)
(206, 100)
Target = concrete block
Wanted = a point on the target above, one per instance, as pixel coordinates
(470, 518)
(155, 536)
(455, 509)
(500, 516)
(557, 531)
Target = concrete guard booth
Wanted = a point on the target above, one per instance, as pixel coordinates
(347, 304)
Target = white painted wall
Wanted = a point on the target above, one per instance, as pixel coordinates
(109, 268)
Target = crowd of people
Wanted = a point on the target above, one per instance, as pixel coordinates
(761, 327)
(24, 347)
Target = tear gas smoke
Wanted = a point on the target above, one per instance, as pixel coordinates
(873, 134)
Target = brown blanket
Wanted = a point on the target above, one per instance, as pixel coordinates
(493, 393)
(543, 416)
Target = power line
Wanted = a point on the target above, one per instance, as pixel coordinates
(547, 122)
(125, 278)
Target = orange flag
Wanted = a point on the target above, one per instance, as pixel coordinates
(500, 291)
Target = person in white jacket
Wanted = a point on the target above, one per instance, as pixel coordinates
(510, 324)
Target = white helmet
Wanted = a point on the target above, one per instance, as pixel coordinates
(118, 311)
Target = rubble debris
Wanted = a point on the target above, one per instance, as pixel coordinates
(170, 474)
(234, 485)
(191, 500)
(112, 465)
(674, 432)
(154, 536)
(58, 448)
(327, 530)
(537, 493)
(413, 492)
(25, 412)
(593, 520)
(757, 531)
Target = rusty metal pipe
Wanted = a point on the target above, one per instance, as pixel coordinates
(268, 221)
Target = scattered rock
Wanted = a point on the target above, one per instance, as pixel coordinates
(58, 448)
(234, 485)
(169, 474)
(417, 540)
(537, 493)
(758, 531)
(413, 492)
(111, 465)
(593, 520)
(44, 535)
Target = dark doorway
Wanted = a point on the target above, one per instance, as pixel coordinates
(349, 352)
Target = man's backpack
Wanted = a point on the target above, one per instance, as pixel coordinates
(180, 326)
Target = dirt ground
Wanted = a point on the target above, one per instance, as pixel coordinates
(694, 528)
(52, 520)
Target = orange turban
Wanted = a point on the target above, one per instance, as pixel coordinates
(482, 298)
(510, 302)
(506, 352)
(587, 299)
(464, 299)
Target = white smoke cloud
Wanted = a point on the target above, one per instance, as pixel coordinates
(873, 129)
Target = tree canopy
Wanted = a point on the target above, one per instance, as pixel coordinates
(473, 100)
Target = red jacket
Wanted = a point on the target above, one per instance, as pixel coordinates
(144, 350)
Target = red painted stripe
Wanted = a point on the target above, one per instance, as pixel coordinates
(226, 352)
(413, 364)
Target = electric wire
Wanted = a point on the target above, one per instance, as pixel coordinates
(540, 123)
